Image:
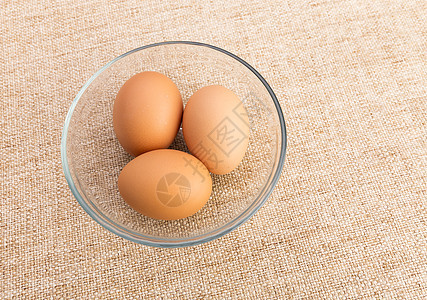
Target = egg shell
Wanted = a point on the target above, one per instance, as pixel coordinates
(215, 126)
(147, 113)
(165, 184)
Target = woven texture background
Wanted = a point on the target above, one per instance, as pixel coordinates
(348, 216)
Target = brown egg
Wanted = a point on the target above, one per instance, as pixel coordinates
(165, 184)
(215, 125)
(147, 113)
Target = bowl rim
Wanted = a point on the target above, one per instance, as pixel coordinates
(180, 242)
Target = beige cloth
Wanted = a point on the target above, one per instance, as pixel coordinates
(348, 216)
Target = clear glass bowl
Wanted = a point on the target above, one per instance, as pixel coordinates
(92, 157)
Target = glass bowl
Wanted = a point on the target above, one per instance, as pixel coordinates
(92, 157)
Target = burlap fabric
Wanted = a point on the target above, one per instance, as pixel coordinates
(348, 216)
